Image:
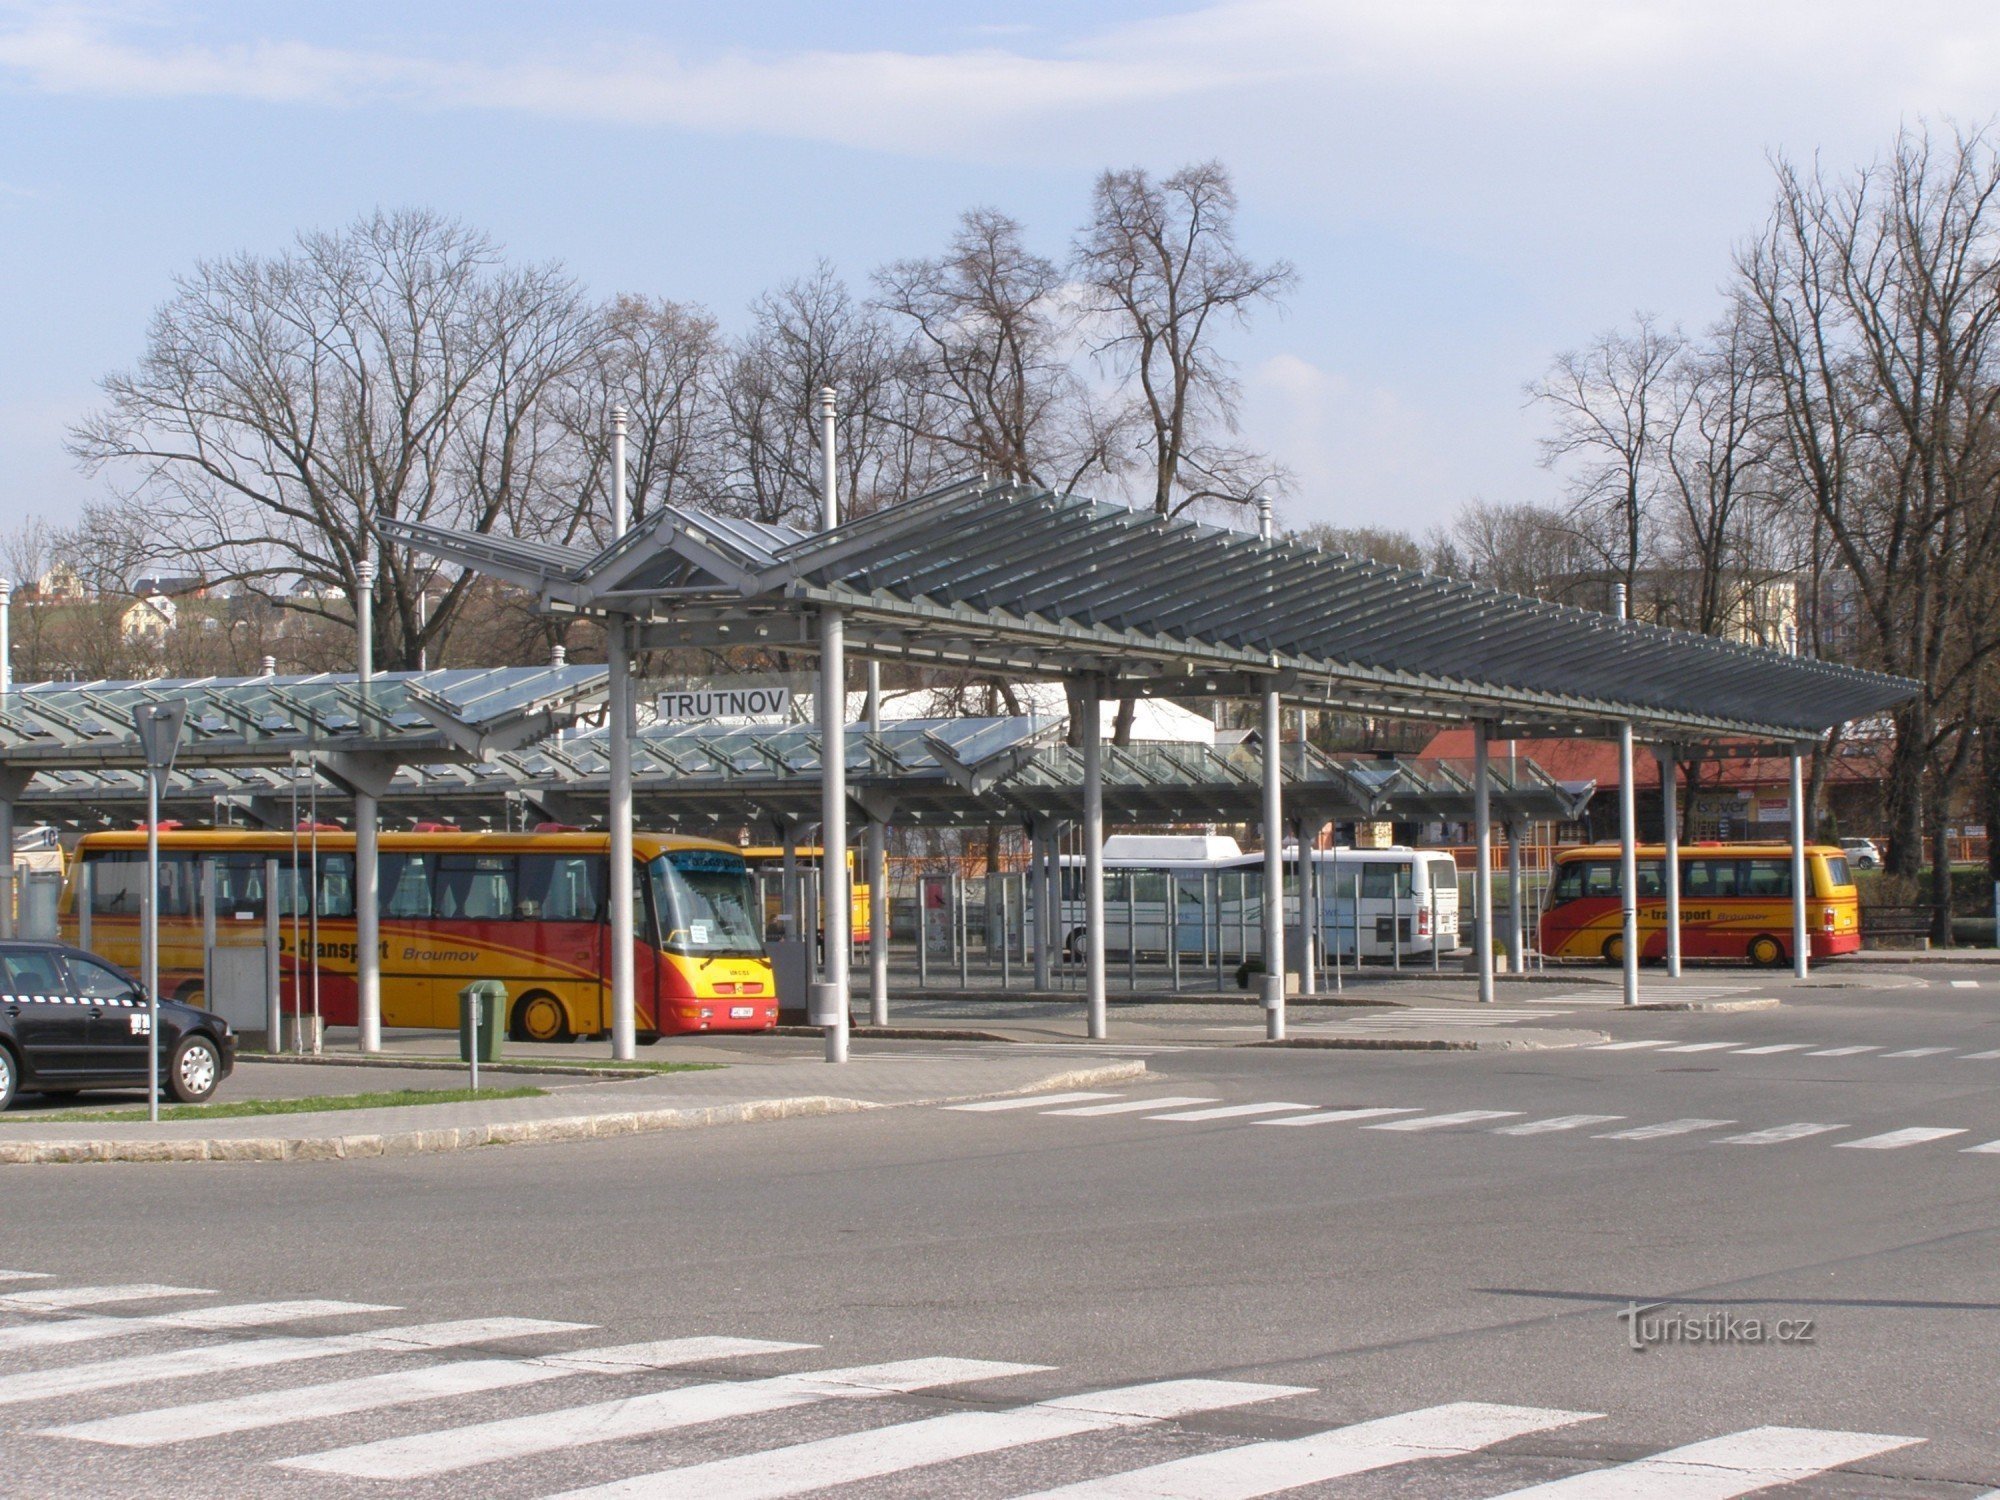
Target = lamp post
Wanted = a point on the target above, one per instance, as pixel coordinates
(159, 726)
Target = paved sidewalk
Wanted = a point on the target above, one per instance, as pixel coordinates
(571, 1111)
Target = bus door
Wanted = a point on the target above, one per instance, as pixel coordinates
(560, 911)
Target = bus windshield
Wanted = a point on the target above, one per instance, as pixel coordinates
(705, 905)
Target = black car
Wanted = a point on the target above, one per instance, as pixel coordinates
(70, 1021)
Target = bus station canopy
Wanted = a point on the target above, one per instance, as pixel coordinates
(923, 773)
(997, 578)
(266, 721)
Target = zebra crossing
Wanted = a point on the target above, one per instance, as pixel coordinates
(667, 1389)
(1410, 1119)
(1792, 1051)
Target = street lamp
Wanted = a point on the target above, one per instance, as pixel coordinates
(159, 725)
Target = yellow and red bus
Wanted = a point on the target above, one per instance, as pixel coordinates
(765, 858)
(1736, 902)
(528, 909)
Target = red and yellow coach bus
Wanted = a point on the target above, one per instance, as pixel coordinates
(528, 909)
(1736, 902)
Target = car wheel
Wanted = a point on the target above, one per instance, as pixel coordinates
(7, 1078)
(1766, 952)
(540, 1017)
(196, 1070)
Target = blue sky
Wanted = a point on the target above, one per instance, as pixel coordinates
(1466, 186)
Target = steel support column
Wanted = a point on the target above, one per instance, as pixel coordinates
(1516, 905)
(878, 879)
(1670, 836)
(618, 741)
(1482, 857)
(1274, 872)
(1801, 939)
(1088, 701)
(835, 905)
(1628, 865)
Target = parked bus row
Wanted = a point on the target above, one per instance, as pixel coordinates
(1736, 903)
(1203, 895)
(528, 909)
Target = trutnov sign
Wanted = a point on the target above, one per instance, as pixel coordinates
(707, 704)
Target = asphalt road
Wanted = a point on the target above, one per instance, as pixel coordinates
(1458, 1282)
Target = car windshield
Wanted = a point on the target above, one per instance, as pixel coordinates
(704, 903)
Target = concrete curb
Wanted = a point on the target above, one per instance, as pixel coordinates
(451, 1065)
(361, 1146)
(1431, 1044)
(1759, 1003)
(899, 1033)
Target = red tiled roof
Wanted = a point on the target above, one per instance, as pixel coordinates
(1597, 760)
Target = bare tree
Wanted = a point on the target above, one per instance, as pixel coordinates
(286, 404)
(1605, 399)
(992, 326)
(1163, 274)
(1878, 301)
(810, 335)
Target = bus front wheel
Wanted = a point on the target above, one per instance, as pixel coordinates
(540, 1017)
(1614, 951)
(1766, 952)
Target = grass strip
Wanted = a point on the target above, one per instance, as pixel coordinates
(240, 1108)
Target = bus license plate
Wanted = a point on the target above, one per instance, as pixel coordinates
(742, 1012)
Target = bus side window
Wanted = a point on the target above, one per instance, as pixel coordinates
(1600, 878)
(475, 887)
(336, 885)
(405, 884)
(560, 888)
(1771, 878)
(179, 885)
(117, 884)
(1652, 879)
(1569, 882)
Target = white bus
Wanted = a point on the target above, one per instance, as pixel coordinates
(1408, 899)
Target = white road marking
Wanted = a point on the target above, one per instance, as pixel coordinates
(1915, 1135)
(1555, 1122)
(1842, 1051)
(1626, 1046)
(426, 1453)
(1965, 984)
(1439, 1122)
(1722, 1468)
(1990, 1148)
(109, 1374)
(1778, 1134)
(1258, 1469)
(1664, 1128)
(94, 1296)
(309, 1403)
(1133, 1106)
(1918, 1052)
(1981, 1056)
(202, 1319)
(1769, 1051)
(881, 1451)
(1335, 1116)
(1032, 1102)
(24, 1275)
(1231, 1111)
(1701, 1047)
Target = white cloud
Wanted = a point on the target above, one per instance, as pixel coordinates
(1361, 454)
(1936, 53)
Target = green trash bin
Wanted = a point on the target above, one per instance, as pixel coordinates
(482, 1019)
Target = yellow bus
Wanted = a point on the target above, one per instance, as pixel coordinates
(528, 909)
(764, 858)
(1736, 902)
